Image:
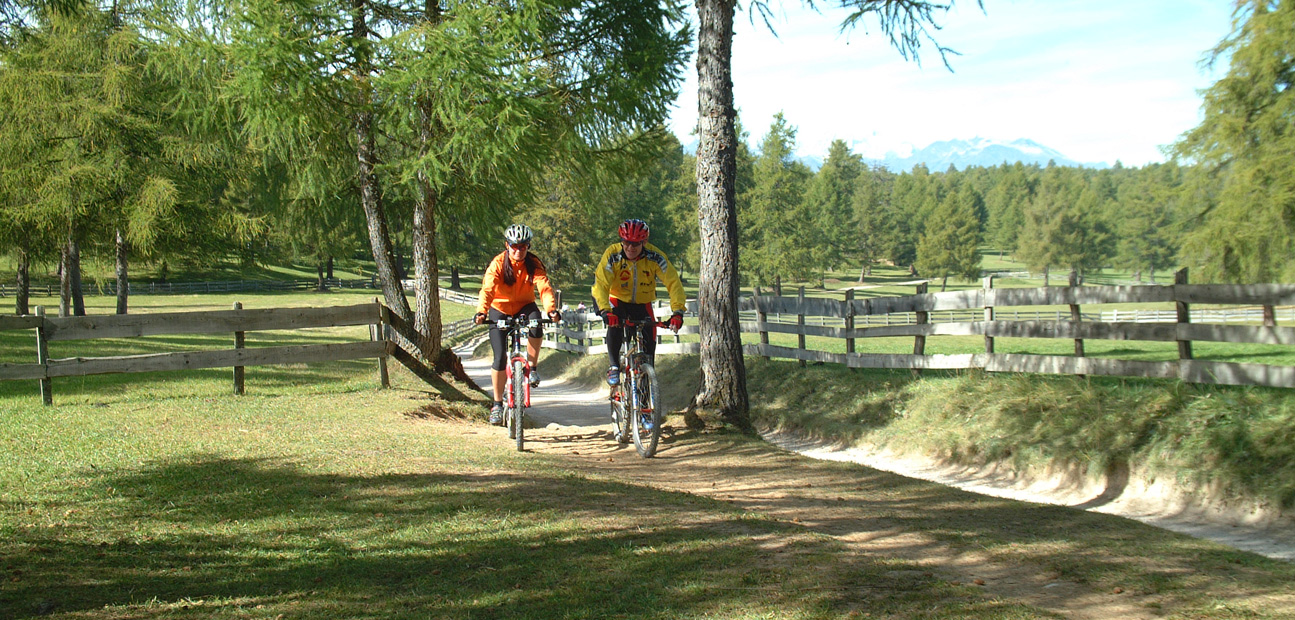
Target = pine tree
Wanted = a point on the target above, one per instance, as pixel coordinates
(951, 243)
(100, 157)
(872, 224)
(1247, 141)
(829, 200)
(778, 230)
(464, 108)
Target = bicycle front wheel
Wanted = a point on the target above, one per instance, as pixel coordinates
(647, 419)
(517, 426)
(619, 406)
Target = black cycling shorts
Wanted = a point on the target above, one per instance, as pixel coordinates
(499, 340)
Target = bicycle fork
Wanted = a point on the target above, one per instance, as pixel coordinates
(526, 386)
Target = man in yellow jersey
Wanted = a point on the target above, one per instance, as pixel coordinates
(625, 286)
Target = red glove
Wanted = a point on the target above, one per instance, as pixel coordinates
(611, 319)
(555, 316)
(479, 318)
(676, 321)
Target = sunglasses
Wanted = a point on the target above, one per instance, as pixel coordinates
(519, 246)
(631, 244)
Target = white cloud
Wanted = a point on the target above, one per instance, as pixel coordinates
(1097, 80)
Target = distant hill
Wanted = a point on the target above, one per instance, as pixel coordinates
(938, 156)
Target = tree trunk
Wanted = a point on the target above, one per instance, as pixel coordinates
(23, 294)
(944, 283)
(370, 198)
(123, 281)
(427, 298)
(74, 266)
(64, 282)
(863, 273)
(455, 284)
(723, 369)
(319, 277)
(777, 286)
(1046, 281)
(329, 268)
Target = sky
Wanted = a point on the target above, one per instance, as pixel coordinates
(1097, 80)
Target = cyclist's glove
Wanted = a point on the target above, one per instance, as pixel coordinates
(479, 318)
(555, 316)
(676, 321)
(610, 318)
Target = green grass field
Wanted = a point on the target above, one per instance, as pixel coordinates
(319, 495)
(162, 495)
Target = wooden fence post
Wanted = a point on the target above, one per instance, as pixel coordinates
(989, 314)
(379, 332)
(1075, 316)
(1184, 315)
(240, 339)
(42, 357)
(760, 318)
(800, 322)
(1270, 316)
(919, 341)
(849, 324)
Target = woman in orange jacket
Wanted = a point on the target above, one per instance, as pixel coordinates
(508, 289)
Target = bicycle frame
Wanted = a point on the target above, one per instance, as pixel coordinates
(517, 371)
(514, 327)
(632, 408)
(632, 354)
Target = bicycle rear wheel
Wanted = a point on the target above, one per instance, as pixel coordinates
(517, 427)
(647, 419)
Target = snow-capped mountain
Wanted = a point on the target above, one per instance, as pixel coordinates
(938, 156)
(962, 154)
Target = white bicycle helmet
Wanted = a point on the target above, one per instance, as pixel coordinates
(518, 233)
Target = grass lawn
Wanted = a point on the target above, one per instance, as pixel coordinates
(330, 499)
(318, 495)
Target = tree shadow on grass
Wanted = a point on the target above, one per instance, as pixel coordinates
(214, 536)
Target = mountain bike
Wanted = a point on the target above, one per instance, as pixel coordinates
(636, 401)
(517, 387)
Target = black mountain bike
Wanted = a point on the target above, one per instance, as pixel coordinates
(517, 388)
(636, 401)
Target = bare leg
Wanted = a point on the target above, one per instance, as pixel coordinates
(533, 350)
(497, 378)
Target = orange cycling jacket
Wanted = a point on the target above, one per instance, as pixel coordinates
(510, 299)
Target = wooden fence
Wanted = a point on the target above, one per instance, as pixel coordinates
(236, 322)
(987, 313)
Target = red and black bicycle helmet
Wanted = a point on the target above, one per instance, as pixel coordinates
(634, 231)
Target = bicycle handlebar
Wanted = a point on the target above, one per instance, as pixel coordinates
(629, 323)
(509, 322)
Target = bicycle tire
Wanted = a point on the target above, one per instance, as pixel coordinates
(647, 424)
(518, 417)
(619, 429)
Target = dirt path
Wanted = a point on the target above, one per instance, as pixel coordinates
(574, 422)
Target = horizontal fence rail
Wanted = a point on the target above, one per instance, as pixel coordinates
(227, 286)
(1007, 313)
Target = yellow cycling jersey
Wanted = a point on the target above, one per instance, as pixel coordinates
(634, 281)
